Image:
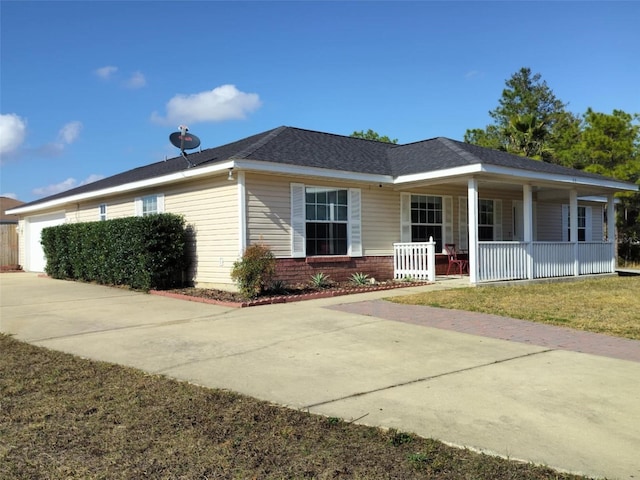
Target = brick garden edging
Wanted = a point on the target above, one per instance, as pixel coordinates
(286, 298)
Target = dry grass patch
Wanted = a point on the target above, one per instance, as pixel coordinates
(607, 305)
(63, 417)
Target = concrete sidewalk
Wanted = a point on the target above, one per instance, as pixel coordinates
(572, 411)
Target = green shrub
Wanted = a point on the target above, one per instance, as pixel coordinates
(278, 287)
(141, 252)
(254, 272)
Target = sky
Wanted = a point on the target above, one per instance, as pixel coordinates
(89, 89)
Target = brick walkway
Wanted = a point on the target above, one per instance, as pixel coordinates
(503, 328)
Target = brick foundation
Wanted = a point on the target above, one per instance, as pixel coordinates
(294, 271)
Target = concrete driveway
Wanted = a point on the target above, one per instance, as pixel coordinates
(568, 410)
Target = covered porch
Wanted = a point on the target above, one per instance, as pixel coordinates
(541, 234)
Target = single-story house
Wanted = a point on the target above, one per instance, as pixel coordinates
(340, 205)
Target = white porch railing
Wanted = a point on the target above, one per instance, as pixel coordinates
(499, 261)
(415, 260)
(519, 260)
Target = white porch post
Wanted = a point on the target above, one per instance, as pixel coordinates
(527, 210)
(472, 216)
(611, 230)
(573, 228)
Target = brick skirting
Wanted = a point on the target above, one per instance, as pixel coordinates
(294, 271)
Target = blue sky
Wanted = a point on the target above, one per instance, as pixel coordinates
(90, 89)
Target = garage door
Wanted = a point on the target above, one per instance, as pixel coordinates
(34, 255)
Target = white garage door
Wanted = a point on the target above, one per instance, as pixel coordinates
(34, 258)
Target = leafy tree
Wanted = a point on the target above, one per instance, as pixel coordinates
(525, 118)
(610, 145)
(371, 135)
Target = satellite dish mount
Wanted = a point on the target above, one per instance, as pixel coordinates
(184, 141)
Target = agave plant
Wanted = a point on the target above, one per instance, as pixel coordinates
(320, 280)
(360, 279)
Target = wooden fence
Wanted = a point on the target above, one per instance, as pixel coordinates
(8, 246)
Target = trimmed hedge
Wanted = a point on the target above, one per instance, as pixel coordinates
(141, 252)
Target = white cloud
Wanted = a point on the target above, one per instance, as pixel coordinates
(55, 188)
(70, 132)
(137, 80)
(9, 195)
(473, 74)
(222, 103)
(67, 184)
(13, 131)
(94, 177)
(106, 72)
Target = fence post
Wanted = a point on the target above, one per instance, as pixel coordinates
(431, 260)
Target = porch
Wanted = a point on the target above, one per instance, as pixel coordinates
(510, 260)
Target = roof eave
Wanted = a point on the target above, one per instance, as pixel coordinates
(518, 174)
(124, 188)
(296, 170)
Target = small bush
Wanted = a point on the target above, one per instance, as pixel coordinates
(320, 280)
(254, 272)
(360, 279)
(278, 287)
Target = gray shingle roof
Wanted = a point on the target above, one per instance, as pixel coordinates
(307, 148)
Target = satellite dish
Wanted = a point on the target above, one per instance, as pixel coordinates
(184, 141)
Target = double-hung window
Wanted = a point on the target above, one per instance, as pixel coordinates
(325, 221)
(584, 223)
(149, 205)
(426, 219)
(102, 212)
(486, 220)
(426, 216)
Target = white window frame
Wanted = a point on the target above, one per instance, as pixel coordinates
(406, 220)
(299, 220)
(496, 226)
(584, 213)
(102, 212)
(140, 203)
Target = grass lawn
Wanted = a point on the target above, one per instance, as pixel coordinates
(607, 305)
(63, 417)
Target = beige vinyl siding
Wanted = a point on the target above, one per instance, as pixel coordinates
(597, 223)
(117, 207)
(549, 220)
(269, 212)
(380, 220)
(210, 207)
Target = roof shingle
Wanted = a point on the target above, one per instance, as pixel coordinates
(307, 148)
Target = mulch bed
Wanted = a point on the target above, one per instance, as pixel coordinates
(295, 294)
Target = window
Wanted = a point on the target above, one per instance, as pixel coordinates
(582, 224)
(325, 221)
(326, 218)
(149, 205)
(426, 219)
(486, 220)
(103, 212)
